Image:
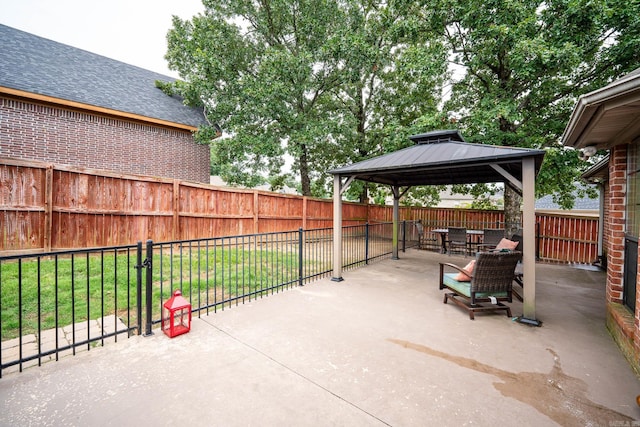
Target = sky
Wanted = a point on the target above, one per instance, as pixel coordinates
(131, 31)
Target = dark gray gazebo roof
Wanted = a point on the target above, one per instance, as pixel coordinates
(442, 157)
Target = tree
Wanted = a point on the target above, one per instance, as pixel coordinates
(397, 67)
(524, 63)
(323, 82)
(261, 69)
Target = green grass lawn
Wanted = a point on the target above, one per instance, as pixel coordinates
(75, 289)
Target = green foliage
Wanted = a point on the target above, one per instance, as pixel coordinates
(327, 83)
(91, 287)
(424, 196)
(525, 63)
(482, 195)
(485, 203)
(331, 83)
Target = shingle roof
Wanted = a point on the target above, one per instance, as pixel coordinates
(40, 66)
(580, 203)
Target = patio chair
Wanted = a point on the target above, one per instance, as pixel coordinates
(517, 237)
(490, 239)
(424, 241)
(490, 281)
(457, 239)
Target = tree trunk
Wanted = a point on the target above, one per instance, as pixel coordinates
(305, 181)
(512, 202)
(364, 194)
(362, 138)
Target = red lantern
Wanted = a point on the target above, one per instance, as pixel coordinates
(176, 315)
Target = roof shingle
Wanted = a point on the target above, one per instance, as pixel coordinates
(37, 65)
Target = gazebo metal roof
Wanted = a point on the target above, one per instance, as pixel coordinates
(442, 157)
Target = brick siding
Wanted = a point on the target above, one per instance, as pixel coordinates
(614, 222)
(623, 325)
(63, 136)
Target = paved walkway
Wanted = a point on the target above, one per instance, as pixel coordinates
(64, 337)
(379, 348)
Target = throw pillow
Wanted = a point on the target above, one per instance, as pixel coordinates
(461, 277)
(507, 244)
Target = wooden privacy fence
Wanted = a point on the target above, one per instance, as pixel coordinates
(46, 207)
(567, 238)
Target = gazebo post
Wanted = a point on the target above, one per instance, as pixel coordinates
(337, 230)
(396, 221)
(528, 242)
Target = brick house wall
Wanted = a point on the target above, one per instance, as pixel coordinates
(606, 194)
(608, 118)
(615, 222)
(29, 130)
(623, 325)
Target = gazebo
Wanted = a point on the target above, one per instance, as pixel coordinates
(440, 158)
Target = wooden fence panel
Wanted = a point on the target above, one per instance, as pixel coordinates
(377, 213)
(356, 213)
(22, 206)
(319, 213)
(43, 207)
(204, 211)
(213, 227)
(279, 213)
(469, 218)
(96, 210)
(567, 238)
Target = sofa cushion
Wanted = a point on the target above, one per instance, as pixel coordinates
(464, 288)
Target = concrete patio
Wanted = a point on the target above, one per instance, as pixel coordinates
(379, 348)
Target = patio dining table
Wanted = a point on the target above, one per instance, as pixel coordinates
(471, 234)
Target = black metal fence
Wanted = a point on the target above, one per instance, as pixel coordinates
(58, 303)
(55, 303)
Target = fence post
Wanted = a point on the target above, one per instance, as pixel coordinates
(404, 235)
(300, 256)
(138, 267)
(148, 263)
(366, 243)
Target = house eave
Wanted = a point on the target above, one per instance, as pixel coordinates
(592, 107)
(25, 95)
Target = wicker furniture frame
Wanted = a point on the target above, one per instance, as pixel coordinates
(457, 238)
(491, 282)
(490, 238)
(425, 242)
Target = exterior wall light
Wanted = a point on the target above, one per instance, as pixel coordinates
(590, 150)
(587, 152)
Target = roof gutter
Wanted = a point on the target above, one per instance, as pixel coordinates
(591, 105)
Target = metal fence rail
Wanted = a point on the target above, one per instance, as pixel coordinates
(62, 302)
(56, 303)
(220, 272)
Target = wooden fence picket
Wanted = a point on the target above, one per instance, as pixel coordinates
(46, 207)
